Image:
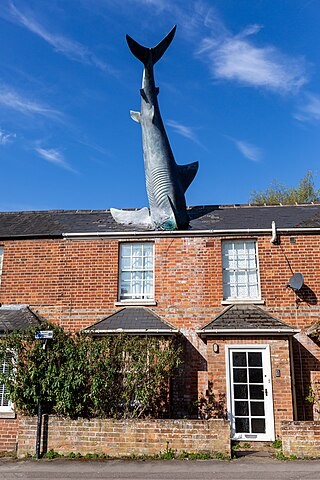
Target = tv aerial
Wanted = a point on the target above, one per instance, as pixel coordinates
(296, 282)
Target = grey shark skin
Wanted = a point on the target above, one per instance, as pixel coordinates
(166, 181)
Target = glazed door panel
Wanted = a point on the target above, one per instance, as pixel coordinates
(250, 403)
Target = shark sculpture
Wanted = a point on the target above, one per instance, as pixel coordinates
(166, 181)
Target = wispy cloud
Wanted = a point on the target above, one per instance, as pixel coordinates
(310, 109)
(6, 137)
(54, 156)
(248, 150)
(235, 57)
(183, 130)
(11, 99)
(70, 48)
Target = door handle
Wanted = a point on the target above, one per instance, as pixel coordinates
(266, 392)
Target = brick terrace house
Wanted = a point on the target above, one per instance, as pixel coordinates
(222, 284)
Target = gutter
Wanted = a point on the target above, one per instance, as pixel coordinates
(31, 235)
(133, 331)
(183, 233)
(249, 331)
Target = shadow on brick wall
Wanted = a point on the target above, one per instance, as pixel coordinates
(305, 294)
(304, 364)
(184, 386)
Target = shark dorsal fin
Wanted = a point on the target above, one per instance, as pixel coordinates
(187, 174)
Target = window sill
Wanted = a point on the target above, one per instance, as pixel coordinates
(135, 303)
(9, 414)
(249, 301)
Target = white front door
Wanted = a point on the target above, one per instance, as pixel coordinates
(250, 402)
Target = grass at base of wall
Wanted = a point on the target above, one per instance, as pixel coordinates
(168, 454)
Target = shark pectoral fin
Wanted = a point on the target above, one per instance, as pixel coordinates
(157, 90)
(136, 116)
(187, 174)
(159, 49)
(132, 217)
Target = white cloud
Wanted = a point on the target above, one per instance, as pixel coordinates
(235, 57)
(183, 130)
(6, 137)
(11, 99)
(68, 47)
(248, 150)
(310, 110)
(54, 156)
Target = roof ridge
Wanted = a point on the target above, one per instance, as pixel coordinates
(190, 207)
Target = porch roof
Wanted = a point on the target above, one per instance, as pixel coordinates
(134, 321)
(245, 319)
(17, 317)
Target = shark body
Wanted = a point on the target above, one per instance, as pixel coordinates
(166, 181)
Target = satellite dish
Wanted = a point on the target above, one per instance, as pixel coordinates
(296, 281)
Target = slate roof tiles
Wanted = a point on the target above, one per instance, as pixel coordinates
(137, 320)
(17, 317)
(245, 317)
(54, 223)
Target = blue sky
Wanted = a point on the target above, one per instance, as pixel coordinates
(239, 92)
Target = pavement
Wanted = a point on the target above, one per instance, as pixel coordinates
(247, 468)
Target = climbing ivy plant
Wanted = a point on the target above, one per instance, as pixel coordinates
(77, 375)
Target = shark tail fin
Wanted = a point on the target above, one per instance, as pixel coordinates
(139, 51)
(142, 53)
(159, 49)
(187, 174)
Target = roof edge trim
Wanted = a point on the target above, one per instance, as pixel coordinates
(152, 233)
(133, 330)
(249, 331)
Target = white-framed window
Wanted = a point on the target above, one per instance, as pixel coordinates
(240, 270)
(1, 261)
(136, 274)
(5, 403)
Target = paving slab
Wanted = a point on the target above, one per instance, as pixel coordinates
(246, 468)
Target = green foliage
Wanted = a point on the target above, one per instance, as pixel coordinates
(221, 456)
(246, 445)
(280, 456)
(77, 375)
(168, 454)
(277, 193)
(314, 396)
(51, 454)
(277, 443)
(209, 406)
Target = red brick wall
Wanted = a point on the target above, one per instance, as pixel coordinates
(281, 386)
(126, 437)
(301, 439)
(75, 283)
(8, 434)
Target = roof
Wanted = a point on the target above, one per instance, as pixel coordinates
(314, 330)
(132, 320)
(17, 317)
(56, 223)
(246, 319)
